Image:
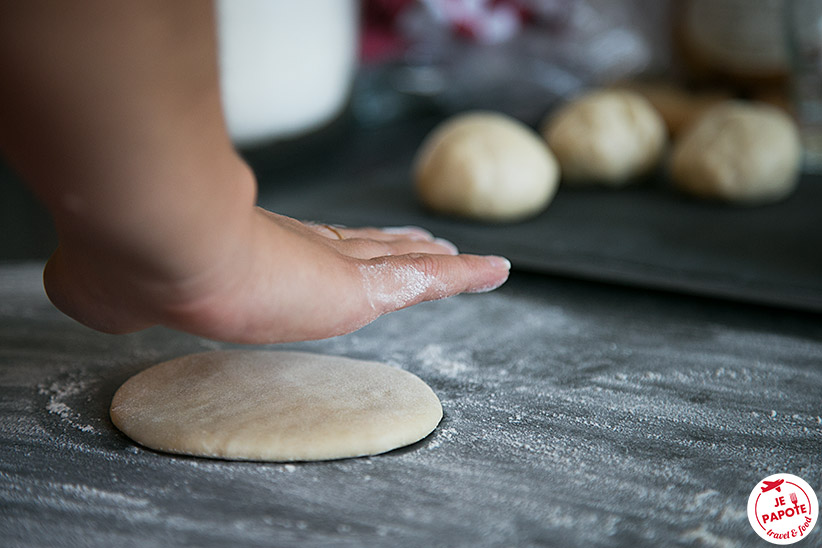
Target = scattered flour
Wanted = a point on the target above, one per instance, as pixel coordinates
(390, 287)
(58, 394)
(442, 435)
(85, 492)
(434, 356)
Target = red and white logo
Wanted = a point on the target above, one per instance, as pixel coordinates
(783, 509)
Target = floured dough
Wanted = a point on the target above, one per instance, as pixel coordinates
(485, 166)
(274, 406)
(739, 152)
(607, 137)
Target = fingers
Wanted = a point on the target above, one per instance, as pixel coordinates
(407, 265)
(368, 243)
(385, 270)
(392, 283)
(336, 232)
(370, 249)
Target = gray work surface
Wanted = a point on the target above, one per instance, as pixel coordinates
(576, 414)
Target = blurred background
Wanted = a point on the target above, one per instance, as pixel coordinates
(340, 69)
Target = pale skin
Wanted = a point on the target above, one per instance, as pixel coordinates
(111, 112)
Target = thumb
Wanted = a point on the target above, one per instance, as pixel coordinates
(395, 282)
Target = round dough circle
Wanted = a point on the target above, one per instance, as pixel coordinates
(486, 166)
(274, 406)
(607, 137)
(739, 152)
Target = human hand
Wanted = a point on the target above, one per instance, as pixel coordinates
(113, 116)
(283, 281)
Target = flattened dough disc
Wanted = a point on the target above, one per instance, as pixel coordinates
(274, 406)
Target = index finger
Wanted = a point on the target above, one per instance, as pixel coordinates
(396, 282)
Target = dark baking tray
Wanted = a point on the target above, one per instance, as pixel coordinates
(646, 235)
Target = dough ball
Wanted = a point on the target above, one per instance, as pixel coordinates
(739, 152)
(607, 137)
(485, 166)
(274, 406)
(678, 106)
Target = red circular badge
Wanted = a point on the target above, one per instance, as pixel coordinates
(783, 509)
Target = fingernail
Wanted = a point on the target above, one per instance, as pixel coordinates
(498, 262)
(421, 233)
(448, 245)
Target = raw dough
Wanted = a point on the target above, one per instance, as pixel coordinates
(739, 152)
(608, 137)
(678, 106)
(485, 166)
(274, 406)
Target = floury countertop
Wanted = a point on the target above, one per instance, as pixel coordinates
(576, 414)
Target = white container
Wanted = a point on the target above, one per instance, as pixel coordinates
(286, 67)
